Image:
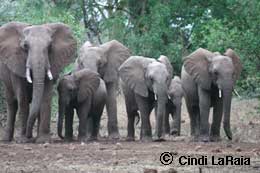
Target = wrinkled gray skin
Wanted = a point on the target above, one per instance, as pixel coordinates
(173, 107)
(85, 92)
(145, 85)
(208, 80)
(31, 58)
(105, 59)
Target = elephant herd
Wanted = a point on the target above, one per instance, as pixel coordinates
(33, 56)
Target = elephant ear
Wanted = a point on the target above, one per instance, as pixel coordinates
(115, 54)
(164, 59)
(63, 47)
(88, 83)
(197, 65)
(11, 53)
(132, 73)
(236, 61)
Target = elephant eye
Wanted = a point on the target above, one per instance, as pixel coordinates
(100, 63)
(152, 79)
(215, 73)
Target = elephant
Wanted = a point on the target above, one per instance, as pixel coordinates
(84, 91)
(173, 107)
(31, 57)
(105, 59)
(208, 80)
(145, 83)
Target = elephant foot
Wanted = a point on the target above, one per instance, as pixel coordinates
(146, 139)
(6, 138)
(128, 138)
(203, 138)
(83, 139)
(43, 139)
(215, 138)
(24, 139)
(88, 134)
(175, 132)
(159, 139)
(68, 139)
(92, 138)
(168, 132)
(114, 136)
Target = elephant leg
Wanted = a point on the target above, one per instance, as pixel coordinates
(111, 106)
(12, 107)
(204, 105)
(217, 117)
(83, 113)
(90, 127)
(96, 113)
(131, 113)
(131, 110)
(38, 123)
(193, 111)
(167, 122)
(69, 115)
(23, 111)
(45, 114)
(130, 125)
(95, 125)
(145, 110)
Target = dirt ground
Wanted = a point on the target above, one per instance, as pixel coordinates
(121, 156)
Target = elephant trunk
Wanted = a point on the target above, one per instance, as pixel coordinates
(37, 95)
(60, 118)
(161, 110)
(227, 96)
(177, 121)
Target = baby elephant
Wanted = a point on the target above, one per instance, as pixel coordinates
(173, 107)
(84, 91)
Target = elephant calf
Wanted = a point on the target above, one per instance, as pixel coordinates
(173, 107)
(84, 91)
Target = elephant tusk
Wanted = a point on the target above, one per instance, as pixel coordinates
(28, 75)
(219, 93)
(169, 97)
(49, 74)
(155, 97)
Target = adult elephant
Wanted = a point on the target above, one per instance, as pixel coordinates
(106, 59)
(145, 86)
(208, 81)
(84, 91)
(31, 57)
